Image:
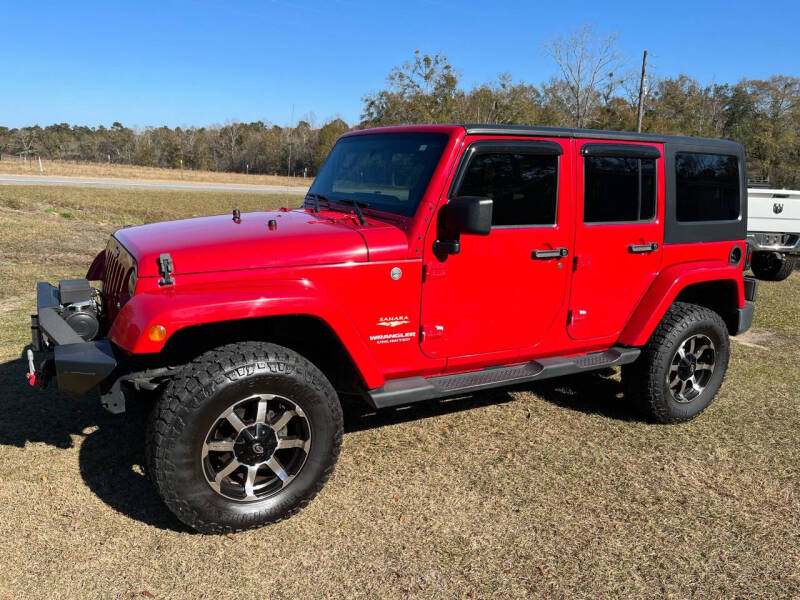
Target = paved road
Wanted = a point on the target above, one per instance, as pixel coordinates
(140, 184)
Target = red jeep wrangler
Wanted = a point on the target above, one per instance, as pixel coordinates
(426, 262)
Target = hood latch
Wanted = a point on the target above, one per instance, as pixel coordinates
(165, 268)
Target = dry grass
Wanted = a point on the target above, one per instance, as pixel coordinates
(556, 490)
(70, 168)
(110, 209)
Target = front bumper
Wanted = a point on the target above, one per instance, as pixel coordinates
(785, 243)
(78, 365)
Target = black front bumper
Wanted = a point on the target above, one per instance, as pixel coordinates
(79, 365)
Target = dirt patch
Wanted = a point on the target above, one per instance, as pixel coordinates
(14, 303)
(755, 339)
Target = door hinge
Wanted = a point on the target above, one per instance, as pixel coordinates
(581, 262)
(430, 272)
(430, 332)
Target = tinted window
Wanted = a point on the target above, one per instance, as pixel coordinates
(388, 172)
(523, 186)
(707, 187)
(619, 189)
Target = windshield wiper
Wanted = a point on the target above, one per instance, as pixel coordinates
(317, 197)
(357, 205)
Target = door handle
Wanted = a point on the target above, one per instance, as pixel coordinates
(554, 253)
(643, 248)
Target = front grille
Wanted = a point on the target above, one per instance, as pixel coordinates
(118, 265)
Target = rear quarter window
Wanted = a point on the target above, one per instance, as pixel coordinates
(707, 187)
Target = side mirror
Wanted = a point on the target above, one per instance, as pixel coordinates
(465, 214)
(469, 214)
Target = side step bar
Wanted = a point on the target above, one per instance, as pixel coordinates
(408, 390)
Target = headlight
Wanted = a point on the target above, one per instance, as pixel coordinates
(132, 282)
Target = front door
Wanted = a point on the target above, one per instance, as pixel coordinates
(502, 291)
(618, 234)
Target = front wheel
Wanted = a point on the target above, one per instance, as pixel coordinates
(246, 435)
(682, 366)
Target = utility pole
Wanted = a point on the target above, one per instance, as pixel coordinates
(640, 110)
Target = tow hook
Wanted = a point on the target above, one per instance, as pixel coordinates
(37, 378)
(31, 369)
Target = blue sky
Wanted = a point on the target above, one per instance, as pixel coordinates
(200, 63)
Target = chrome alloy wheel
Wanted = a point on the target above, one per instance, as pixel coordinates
(691, 368)
(256, 447)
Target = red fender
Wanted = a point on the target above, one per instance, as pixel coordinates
(233, 302)
(665, 289)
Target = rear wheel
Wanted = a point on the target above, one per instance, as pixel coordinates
(772, 266)
(682, 366)
(246, 435)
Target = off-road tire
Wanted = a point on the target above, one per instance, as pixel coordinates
(645, 380)
(768, 267)
(192, 402)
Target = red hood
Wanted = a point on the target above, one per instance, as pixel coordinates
(208, 244)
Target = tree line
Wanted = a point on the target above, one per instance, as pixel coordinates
(240, 147)
(762, 114)
(594, 88)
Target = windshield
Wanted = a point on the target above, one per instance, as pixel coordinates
(388, 171)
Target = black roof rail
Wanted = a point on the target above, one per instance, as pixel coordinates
(535, 130)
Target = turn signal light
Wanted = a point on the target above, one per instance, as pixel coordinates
(157, 333)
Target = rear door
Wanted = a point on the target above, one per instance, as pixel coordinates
(619, 233)
(502, 291)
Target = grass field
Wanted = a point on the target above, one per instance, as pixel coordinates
(69, 168)
(553, 490)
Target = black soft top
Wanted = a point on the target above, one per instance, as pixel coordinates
(675, 232)
(718, 145)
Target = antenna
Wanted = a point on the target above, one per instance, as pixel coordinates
(290, 140)
(640, 109)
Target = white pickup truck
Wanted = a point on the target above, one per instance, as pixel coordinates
(773, 232)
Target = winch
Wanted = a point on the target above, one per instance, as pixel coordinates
(80, 307)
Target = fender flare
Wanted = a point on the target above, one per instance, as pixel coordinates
(665, 289)
(232, 302)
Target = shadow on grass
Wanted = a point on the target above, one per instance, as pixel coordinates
(31, 415)
(112, 452)
(112, 465)
(111, 455)
(589, 393)
(358, 416)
